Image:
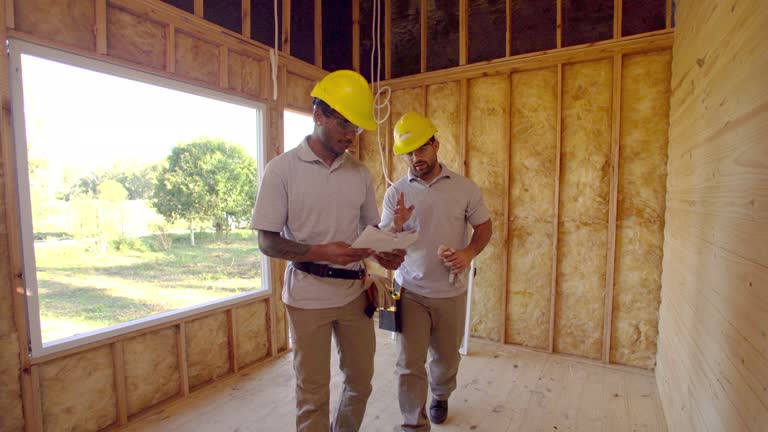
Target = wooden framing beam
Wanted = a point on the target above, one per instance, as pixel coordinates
(181, 356)
(655, 41)
(423, 38)
(245, 14)
(32, 400)
(272, 326)
(170, 48)
(101, 26)
(613, 207)
(559, 26)
(198, 8)
(319, 33)
(118, 361)
(617, 18)
(668, 15)
(463, 122)
(507, 212)
(223, 67)
(232, 339)
(463, 32)
(508, 41)
(286, 32)
(10, 20)
(356, 35)
(556, 216)
(388, 39)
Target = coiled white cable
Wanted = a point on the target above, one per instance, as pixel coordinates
(381, 94)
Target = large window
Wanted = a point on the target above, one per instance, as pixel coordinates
(135, 196)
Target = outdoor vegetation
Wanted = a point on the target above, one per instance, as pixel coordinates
(134, 240)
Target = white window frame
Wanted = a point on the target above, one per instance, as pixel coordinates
(37, 347)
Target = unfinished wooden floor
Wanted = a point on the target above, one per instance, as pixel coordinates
(500, 389)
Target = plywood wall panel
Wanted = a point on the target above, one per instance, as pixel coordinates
(252, 333)
(298, 91)
(403, 101)
(66, 21)
(151, 369)
(371, 155)
(443, 109)
(487, 165)
(196, 59)
(245, 74)
(533, 169)
(714, 304)
(10, 395)
(583, 224)
(640, 217)
(78, 392)
(135, 38)
(207, 349)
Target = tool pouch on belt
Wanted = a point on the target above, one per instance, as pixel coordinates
(389, 318)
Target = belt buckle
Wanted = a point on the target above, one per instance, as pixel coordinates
(361, 273)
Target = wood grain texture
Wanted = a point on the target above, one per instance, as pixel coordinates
(714, 307)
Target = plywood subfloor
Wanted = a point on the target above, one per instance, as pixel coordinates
(500, 388)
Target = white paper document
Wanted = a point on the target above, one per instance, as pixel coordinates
(382, 241)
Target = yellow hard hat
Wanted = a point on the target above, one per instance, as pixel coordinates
(348, 93)
(411, 132)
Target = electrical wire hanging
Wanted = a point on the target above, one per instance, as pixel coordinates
(381, 94)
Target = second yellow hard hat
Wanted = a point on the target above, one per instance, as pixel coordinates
(411, 132)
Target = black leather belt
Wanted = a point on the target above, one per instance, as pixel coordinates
(326, 271)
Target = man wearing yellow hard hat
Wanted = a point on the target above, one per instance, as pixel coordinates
(433, 277)
(313, 202)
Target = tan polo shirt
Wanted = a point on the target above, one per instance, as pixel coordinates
(312, 203)
(444, 206)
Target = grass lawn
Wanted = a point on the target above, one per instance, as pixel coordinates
(81, 290)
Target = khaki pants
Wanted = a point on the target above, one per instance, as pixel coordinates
(356, 345)
(436, 324)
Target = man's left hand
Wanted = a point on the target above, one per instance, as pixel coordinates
(458, 260)
(390, 260)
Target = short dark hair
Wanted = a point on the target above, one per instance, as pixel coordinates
(320, 104)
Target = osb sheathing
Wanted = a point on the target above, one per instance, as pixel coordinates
(370, 155)
(196, 59)
(252, 333)
(443, 109)
(207, 349)
(78, 391)
(584, 197)
(278, 274)
(645, 84)
(245, 75)
(401, 102)
(297, 92)
(487, 163)
(136, 39)
(533, 169)
(66, 21)
(151, 369)
(10, 392)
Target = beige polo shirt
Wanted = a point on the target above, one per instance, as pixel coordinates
(443, 208)
(312, 203)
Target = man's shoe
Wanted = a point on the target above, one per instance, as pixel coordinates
(438, 411)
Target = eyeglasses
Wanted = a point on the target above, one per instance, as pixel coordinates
(343, 123)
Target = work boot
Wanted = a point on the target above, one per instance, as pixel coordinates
(438, 411)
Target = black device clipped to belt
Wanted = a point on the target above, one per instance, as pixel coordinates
(326, 271)
(390, 319)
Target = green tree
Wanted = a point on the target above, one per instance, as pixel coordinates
(204, 182)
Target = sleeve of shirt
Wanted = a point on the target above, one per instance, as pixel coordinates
(388, 210)
(477, 212)
(271, 210)
(369, 212)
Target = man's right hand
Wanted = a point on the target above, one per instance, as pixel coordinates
(338, 253)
